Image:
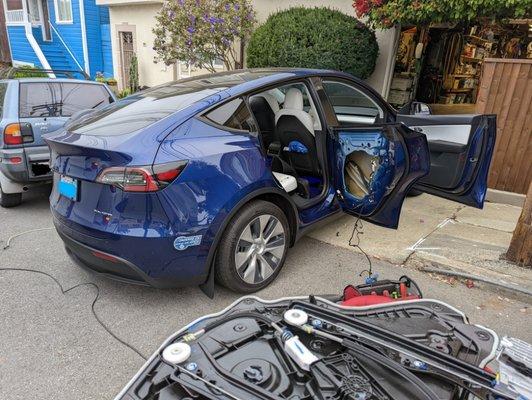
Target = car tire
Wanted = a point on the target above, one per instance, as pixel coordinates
(257, 237)
(8, 200)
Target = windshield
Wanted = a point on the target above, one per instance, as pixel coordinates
(140, 110)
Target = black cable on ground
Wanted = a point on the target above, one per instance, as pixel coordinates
(63, 291)
(354, 241)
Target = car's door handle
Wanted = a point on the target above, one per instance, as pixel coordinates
(417, 129)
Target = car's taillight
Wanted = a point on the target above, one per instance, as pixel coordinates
(12, 134)
(142, 179)
(18, 133)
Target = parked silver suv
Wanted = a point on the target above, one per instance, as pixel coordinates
(29, 108)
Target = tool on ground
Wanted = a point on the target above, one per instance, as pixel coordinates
(381, 291)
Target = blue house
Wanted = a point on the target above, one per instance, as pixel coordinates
(60, 35)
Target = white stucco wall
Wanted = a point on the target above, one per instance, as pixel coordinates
(139, 16)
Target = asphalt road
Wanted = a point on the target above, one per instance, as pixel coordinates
(56, 335)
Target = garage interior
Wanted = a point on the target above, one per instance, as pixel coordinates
(442, 65)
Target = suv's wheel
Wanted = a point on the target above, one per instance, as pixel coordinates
(253, 247)
(10, 199)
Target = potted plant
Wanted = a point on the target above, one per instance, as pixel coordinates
(99, 77)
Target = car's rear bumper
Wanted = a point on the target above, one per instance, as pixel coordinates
(106, 264)
(33, 167)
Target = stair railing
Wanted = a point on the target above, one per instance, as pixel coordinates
(66, 46)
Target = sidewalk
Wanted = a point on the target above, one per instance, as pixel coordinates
(439, 234)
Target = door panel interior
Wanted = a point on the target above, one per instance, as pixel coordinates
(459, 147)
(447, 137)
(375, 168)
(458, 134)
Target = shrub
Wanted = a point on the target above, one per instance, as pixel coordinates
(28, 72)
(134, 74)
(123, 93)
(314, 38)
(386, 13)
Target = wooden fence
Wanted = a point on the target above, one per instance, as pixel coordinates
(506, 90)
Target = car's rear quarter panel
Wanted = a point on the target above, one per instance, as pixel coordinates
(223, 169)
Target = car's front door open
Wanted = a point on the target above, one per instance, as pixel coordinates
(461, 147)
(375, 167)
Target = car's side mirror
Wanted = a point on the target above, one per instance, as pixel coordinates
(419, 108)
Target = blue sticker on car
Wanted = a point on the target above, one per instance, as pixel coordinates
(184, 242)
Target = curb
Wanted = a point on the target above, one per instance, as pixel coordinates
(482, 280)
(510, 198)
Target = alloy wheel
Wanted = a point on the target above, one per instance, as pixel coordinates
(260, 249)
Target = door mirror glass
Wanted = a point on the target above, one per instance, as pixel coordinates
(419, 108)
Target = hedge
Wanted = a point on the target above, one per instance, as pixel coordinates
(314, 38)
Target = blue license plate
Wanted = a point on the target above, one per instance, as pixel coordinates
(68, 187)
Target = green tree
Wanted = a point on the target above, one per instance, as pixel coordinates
(386, 13)
(200, 32)
(314, 38)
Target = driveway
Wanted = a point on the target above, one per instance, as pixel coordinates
(65, 334)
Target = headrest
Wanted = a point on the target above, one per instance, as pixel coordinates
(272, 101)
(259, 104)
(293, 99)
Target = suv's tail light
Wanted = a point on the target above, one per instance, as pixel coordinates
(143, 178)
(18, 133)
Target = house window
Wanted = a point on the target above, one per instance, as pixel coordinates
(33, 11)
(63, 11)
(218, 63)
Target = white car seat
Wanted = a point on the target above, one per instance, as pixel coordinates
(293, 105)
(294, 125)
(288, 182)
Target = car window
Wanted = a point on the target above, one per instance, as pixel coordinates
(3, 90)
(60, 99)
(140, 110)
(234, 114)
(351, 105)
(279, 94)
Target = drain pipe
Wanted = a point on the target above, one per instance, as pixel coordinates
(477, 278)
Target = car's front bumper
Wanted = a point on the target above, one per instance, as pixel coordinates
(101, 261)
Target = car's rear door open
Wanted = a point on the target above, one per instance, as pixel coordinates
(374, 168)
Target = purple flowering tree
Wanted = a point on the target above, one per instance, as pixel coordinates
(201, 32)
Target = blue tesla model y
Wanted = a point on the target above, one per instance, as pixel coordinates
(217, 176)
